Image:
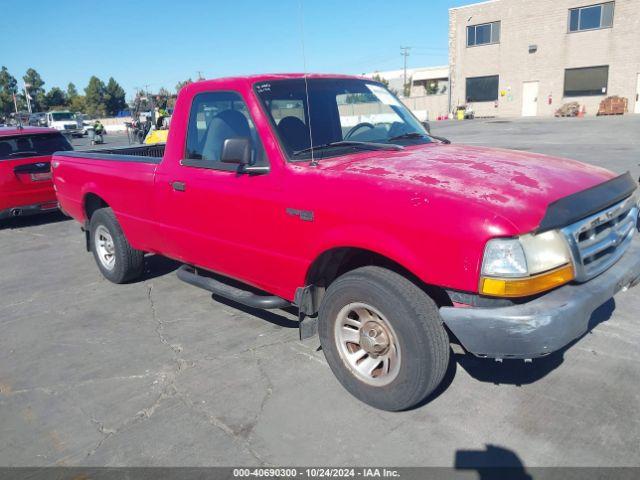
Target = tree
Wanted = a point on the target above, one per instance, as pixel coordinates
(55, 98)
(78, 104)
(431, 88)
(72, 91)
(95, 97)
(8, 87)
(385, 82)
(180, 85)
(34, 83)
(162, 97)
(114, 97)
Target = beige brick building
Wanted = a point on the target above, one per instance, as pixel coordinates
(529, 57)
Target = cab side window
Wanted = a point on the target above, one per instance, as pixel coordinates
(214, 118)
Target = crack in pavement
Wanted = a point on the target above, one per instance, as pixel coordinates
(159, 325)
(170, 390)
(216, 422)
(247, 350)
(166, 379)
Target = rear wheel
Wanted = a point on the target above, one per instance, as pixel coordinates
(116, 259)
(383, 338)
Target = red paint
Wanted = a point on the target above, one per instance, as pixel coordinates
(21, 190)
(430, 208)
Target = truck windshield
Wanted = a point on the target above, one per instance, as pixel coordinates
(58, 116)
(43, 144)
(339, 116)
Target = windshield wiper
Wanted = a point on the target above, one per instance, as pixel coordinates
(349, 143)
(409, 135)
(405, 136)
(446, 141)
(15, 154)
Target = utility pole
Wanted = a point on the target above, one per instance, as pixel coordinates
(199, 72)
(404, 51)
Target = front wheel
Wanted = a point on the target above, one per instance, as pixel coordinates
(383, 338)
(118, 261)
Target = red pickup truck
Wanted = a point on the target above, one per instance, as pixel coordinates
(25, 170)
(326, 193)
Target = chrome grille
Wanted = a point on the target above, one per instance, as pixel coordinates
(598, 241)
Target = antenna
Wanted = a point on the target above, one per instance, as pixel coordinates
(313, 163)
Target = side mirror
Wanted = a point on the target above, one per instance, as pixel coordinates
(426, 126)
(236, 150)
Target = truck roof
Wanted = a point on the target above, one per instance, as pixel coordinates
(265, 77)
(26, 130)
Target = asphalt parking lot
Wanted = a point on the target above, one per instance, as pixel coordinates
(157, 373)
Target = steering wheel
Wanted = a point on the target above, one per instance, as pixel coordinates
(358, 127)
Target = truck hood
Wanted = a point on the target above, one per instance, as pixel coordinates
(516, 185)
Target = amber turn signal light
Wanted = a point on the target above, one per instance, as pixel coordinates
(523, 287)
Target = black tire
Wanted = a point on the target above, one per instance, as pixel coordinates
(128, 262)
(416, 322)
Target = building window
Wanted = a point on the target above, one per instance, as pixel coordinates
(482, 89)
(591, 17)
(483, 34)
(433, 86)
(582, 82)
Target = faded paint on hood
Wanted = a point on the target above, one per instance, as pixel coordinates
(516, 185)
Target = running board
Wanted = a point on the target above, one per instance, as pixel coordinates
(188, 275)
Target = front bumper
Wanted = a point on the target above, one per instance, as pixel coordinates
(27, 210)
(543, 325)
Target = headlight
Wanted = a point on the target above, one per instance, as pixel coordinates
(530, 264)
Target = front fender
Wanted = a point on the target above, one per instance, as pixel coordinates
(375, 240)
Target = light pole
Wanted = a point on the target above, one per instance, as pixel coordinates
(26, 94)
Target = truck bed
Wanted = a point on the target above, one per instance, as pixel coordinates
(118, 177)
(138, 153)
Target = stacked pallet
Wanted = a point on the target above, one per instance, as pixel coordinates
(571, 109)
(613, 106)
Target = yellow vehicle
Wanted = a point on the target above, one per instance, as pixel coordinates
(160, 130)
(156, 136)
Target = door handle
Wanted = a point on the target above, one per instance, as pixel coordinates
(179, 186)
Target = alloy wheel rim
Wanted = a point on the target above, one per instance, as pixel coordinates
(367, 344)
(105, 247)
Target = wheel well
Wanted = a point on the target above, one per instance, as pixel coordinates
(338, 261)
(93, 202)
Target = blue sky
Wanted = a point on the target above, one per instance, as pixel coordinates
(158, 43)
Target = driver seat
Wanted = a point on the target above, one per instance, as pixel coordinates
(294, 133)
(225, 125)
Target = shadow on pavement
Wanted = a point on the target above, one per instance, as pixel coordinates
(33, 220)
(270, 316)
(491, 463)
(517, 372)
(157, 266)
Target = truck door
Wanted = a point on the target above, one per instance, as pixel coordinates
(210, 214)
